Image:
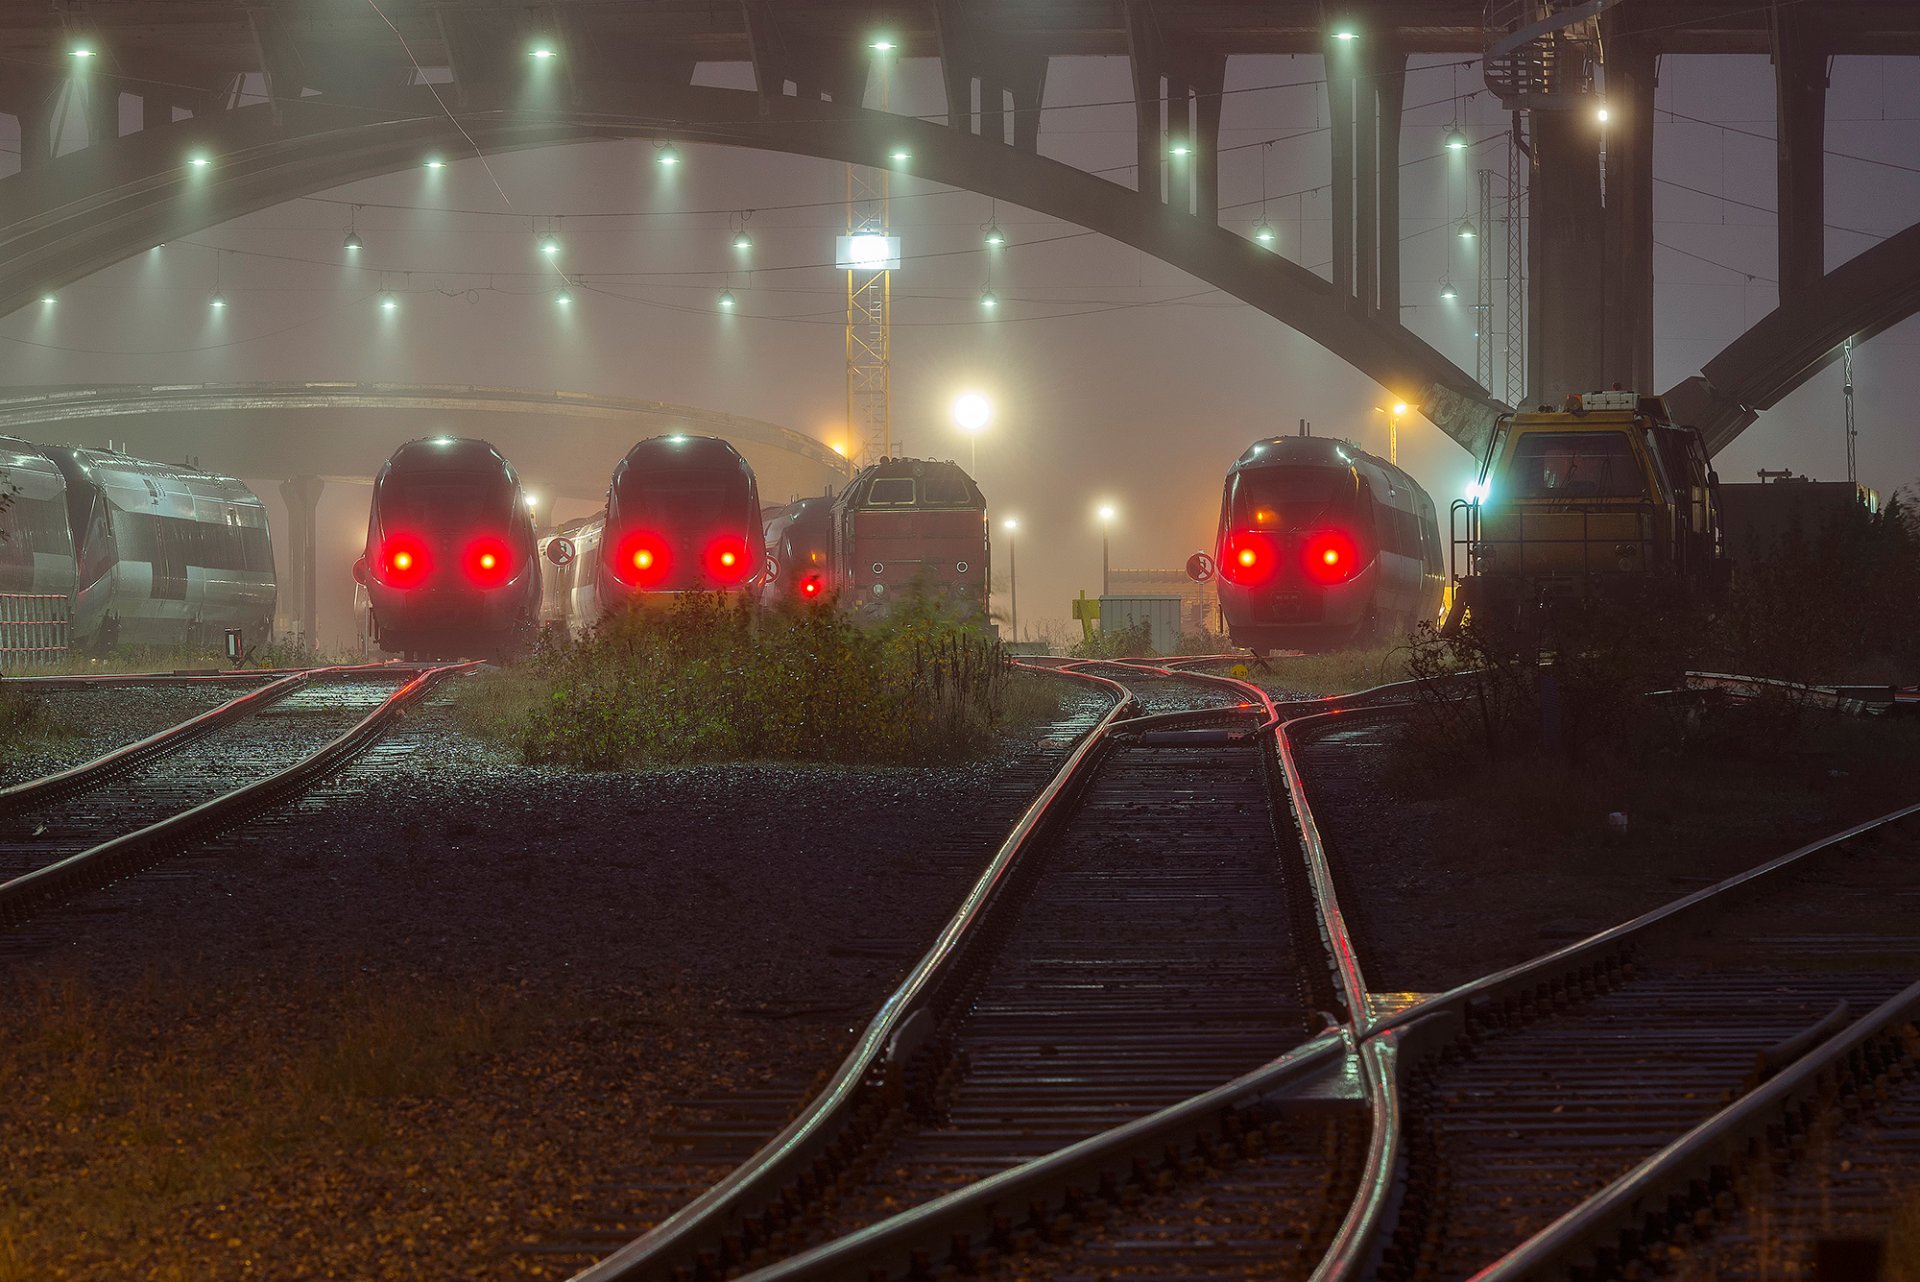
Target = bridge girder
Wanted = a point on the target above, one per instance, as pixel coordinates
(1789, 345)
(92, 207)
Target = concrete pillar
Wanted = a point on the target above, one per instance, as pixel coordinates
(1566, 298)
(1627, 342)
(1800, 85)
(102, 104)
(1340, 63)
(302, 495)
(1148, 66)
(1390, 86)
(1208, 85)
(36, 125)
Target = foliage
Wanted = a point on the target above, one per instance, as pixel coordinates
(1205, 641)
(1839, 602)
(23, 719)
(1131, 642)
(706, 678)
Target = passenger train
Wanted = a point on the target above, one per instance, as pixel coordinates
(146, 553)
(682, 515)
(799, 540)
(451, 569)
(1320, 545)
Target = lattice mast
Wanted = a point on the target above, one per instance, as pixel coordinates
(869, 323)
(870, 311)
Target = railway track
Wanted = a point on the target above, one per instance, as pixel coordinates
(77, 829)
(1145, 936)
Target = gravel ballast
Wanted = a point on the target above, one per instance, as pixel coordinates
(414, 1026)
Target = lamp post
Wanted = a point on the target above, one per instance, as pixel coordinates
(1010, 525)
(1106, 548)
(972, 411)
(1393, 429)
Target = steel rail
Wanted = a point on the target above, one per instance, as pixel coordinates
(59, 881)
(895, 1030)
(227, 676)
(90, 774)
(1061, 1182)
(1838, 698)
(1530, 978)
(1664, 1183)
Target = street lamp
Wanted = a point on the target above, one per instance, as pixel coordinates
(972, 411)
(1393, 429)
(1010, 525)
(1107, 514)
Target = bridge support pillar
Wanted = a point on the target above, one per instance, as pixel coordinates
(302, 495)
(1567, 299)
(1626, 355)
(30, 99)
(1365, 89)
(1800, 84)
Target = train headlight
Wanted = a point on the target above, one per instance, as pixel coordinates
(1248, 559)
(1330, 556)
(489, 562)
(640, 559)
(403, 562)
(727, 561)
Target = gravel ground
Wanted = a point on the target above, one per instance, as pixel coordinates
(1444, 881)
(404, 1029)
(88, 722)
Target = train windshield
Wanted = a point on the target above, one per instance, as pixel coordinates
(1291, 498)
(699, 499)
(435, 501)
(1574, 465)
(944, 488)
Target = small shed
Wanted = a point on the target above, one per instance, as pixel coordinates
(1162, 614)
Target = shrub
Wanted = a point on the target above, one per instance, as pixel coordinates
(706, 678)
(1132, 641)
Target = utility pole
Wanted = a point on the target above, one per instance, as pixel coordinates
(1846, 392)
(870, 310)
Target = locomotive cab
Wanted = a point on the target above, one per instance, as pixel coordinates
(1606, 498)
(450, 566)
(904, 526)
(683, 515)
(1321, 544)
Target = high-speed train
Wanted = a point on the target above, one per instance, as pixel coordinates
(146, 553)
(451, 569)
(799, 540)
(682, 515)
(1320, 545)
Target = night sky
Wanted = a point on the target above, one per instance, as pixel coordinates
(1115, 377)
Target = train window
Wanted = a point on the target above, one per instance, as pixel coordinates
(444, 501)
(944, 488)
(693, 497)
(1293, 498)
(891, 491)
(1574, 465)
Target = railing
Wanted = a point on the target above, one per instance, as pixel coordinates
(1504, 554)
(33, 630)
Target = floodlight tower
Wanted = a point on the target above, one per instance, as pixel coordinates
(870, 300)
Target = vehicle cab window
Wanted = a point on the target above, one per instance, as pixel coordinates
(1575, 465)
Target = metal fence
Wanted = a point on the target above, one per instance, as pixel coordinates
(33, 631)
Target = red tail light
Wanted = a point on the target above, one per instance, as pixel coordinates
(489, 562)
(403, 562)
(1248, 559)
(727, 560)
(641, 559)
(1330, 556)
(810, 586)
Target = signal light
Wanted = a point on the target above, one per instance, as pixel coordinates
(1330, 556)
(810, 586)
(727, 559)
(1248, 559)
(489, 562)
(641, 561)
(403, 562)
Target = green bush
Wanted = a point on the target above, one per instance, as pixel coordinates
(708, 679)
(1130, 642)
(24, 719)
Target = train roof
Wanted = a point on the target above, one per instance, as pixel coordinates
(142, 482)
(855, 495)
(448, 454)
(25, 455)
(1317, 451)
(683, 449)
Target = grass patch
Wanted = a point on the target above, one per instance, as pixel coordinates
(25, 722)
(1333, 672)
(706, 679)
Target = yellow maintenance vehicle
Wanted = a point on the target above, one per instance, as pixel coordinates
(1602, 500)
